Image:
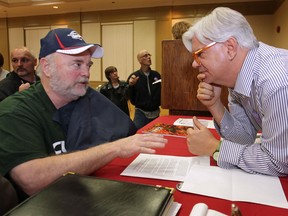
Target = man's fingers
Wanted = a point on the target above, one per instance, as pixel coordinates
(197, 123)
(133, 79)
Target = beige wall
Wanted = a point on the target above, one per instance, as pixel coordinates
(281, 19)
(262, 27)
(144, 38)
(151, 26)
(91, 34)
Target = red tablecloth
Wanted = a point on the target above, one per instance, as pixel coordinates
(177, 147)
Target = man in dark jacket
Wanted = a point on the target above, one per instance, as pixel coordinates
(23, 74)
(115, 89)
(145, 91)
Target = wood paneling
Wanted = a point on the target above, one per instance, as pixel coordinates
(4, 49)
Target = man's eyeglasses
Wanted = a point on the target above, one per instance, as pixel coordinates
(197, 54)
(22, 60)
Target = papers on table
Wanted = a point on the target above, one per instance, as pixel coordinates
(200, 178)
(234, 185)
(201, 209)
(188, 122)
(165, 167)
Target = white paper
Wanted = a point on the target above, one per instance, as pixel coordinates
(189, 122)
(201, 209)
(235, 185)
(174, 168)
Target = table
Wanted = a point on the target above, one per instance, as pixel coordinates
(177, 146)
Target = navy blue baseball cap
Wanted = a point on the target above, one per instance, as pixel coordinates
(67, 41)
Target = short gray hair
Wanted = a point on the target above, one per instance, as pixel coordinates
(220, 25)
(50, 59)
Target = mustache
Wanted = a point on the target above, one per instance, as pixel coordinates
(19, 68)
(83, 80)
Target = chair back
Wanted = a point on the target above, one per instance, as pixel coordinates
(8, 195)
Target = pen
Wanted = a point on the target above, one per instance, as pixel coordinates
(157, 81)
(235, 211)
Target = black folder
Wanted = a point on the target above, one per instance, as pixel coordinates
(75, 194)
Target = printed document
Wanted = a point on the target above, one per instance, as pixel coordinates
(235, 185)
(174, 168)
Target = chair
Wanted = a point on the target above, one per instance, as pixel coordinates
(8, 195)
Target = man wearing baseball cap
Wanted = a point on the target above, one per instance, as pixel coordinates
(59, 125)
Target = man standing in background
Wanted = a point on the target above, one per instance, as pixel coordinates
(3, 72)
(23, 74)
(144, 91)
(115, 89)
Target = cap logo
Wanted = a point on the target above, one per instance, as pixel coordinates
(75, 35)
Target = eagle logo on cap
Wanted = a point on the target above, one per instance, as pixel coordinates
(75, 35)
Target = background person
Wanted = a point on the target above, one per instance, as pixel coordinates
(35, 124)
(23, 74)
(3, 72)
(143, 94)
(179, 28)
(227, 53)
(115, 89)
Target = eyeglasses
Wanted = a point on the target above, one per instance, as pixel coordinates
(22, 60)
(197, 54)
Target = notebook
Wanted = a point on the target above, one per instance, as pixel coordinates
(74, 194)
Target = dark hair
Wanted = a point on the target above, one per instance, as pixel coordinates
(1, 60)
(109, 70)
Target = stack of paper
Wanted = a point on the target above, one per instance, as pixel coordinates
(200, 178)
(234, 185)
(165, 167)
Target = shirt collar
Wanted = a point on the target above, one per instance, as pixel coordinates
(245, 76)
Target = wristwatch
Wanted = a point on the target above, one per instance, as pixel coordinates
(216, 152)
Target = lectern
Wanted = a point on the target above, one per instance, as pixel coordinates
(180, 83)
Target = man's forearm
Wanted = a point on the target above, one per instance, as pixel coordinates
(217, 111)
(36, 174)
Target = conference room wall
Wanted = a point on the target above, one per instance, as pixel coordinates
(159, 28)
(280, 22)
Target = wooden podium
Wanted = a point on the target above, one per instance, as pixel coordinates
(180, 83)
